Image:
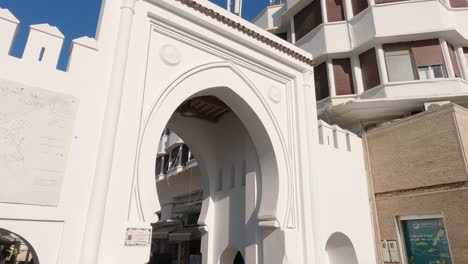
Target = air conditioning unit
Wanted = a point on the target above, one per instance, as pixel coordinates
(435, 105)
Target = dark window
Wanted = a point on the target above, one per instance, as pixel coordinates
(359, 6)
(185, 154)
(370, 69)
(161, 164)
(458, 3)
(321, 82)
(307, 19)
(282, 35)
(343, 76)
(335, 10)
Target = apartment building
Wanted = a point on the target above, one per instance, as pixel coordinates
(378, 66)
(377, 60)
(176, 236)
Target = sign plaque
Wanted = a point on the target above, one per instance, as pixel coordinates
(138, 237)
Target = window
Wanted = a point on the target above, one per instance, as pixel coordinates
(321, 82)
(417, 60)
(335, 10)
(175, 158)
(399, 64)
(161, 164)
(343, 76)
(458, 3)
(307, 19)
(359, 6)
(369, 68)
(424, 239)
(430, 72)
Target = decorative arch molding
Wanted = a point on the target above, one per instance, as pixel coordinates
(253, 111)
(340, 249)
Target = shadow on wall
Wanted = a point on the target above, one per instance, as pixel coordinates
(340, 250)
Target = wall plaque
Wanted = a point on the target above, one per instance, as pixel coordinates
(36, 130)
(138, 237)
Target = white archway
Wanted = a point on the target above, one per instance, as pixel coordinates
(340, 249)
(226, 82)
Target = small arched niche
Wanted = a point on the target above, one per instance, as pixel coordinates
(231, 256)
(340, 249)
(14, 249)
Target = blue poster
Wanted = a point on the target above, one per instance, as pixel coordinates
(426, 241)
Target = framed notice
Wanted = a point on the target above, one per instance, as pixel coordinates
(425, 241)
(138, 237)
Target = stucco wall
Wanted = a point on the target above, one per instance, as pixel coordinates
(451, 204)
(419, 151)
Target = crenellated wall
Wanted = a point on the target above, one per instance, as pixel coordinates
(44, 44)
(50, 123)
(341, 193)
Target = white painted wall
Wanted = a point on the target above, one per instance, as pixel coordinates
(175, 52)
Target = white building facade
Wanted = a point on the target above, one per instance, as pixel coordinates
(79, 148)
(379, 60)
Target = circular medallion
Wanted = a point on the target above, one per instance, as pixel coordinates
(275, 94)
(170, 55)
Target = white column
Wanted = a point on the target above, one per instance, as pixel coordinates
(293, 30)
(357, 74)
(448, 60)
(323, 5)
(348, 9)
(463, 62)
(331, 78)
(96, 210)
(381, 63)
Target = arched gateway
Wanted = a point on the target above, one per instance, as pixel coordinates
(90, 137)
(248, 133)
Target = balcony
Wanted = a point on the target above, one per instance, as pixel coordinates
(326, 38)
(173, 141)
(270, 18)
(391, 100)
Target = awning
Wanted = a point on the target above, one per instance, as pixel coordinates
(163, 232)
(185, 234)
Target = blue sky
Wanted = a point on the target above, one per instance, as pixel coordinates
(77, 18)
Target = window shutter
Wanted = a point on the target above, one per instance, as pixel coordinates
(307, 19)
(370, 69)
(458, 3)
(321, 82)
(399, 63)
(359, 6)
(335, 10)
(454, 58)
(343, 76)
(427, 53)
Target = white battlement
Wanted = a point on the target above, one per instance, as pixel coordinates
(335, 136)
(44, 43)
